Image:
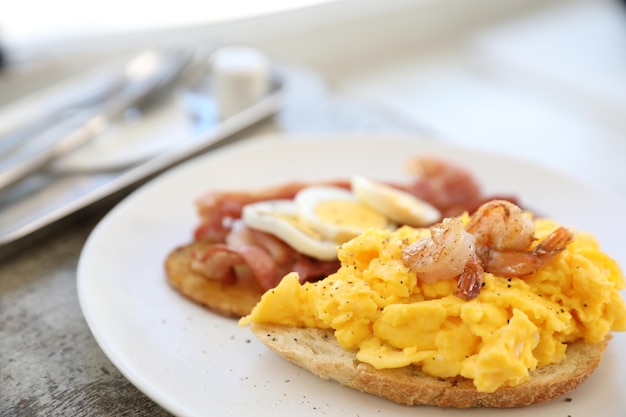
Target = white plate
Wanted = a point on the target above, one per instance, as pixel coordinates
(195, 363)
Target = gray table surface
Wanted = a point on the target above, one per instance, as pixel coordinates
(50, 364)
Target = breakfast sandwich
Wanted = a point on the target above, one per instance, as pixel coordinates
(494, 309)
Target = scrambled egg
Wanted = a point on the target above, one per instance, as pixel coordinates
(376, 306)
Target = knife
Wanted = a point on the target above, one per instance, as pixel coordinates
(147, 76)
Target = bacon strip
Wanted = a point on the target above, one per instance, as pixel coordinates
(448, 187)
(256, 254)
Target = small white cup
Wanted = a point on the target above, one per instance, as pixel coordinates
(241, 76)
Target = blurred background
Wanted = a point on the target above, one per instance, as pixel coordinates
(544, 80)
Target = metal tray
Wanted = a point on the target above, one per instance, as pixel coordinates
(91, 176)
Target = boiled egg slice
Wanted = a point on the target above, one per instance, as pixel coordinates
(336, 213)
(280, 218)
(399, 206)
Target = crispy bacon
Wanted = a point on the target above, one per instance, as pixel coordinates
(449, 187)
(257, 255)
(446, 186)
(229, 264)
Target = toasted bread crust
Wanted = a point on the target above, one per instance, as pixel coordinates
(318, 351)
(230, 300)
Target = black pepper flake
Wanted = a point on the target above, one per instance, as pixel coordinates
(568, 400)
(483, 284)
(508, 286)
(509, 279)
(248, 341)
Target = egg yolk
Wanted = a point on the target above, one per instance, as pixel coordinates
(378, 307)
(349, 214)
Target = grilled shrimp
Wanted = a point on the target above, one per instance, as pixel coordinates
(511, 263)
(501, 225)
(443, 255)
(504, 235)
(497, 239)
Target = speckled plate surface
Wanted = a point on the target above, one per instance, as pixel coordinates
(195, 363)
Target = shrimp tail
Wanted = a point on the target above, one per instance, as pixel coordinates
(554, 244)
(470, 281)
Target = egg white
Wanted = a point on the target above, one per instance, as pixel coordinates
(399, 206)
(280, 218)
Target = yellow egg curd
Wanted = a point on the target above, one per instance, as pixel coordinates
(377, 307)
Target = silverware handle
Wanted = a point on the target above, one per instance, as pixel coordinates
(21, 166)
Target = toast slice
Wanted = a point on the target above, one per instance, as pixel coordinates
(226, 299)
(318, 351)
